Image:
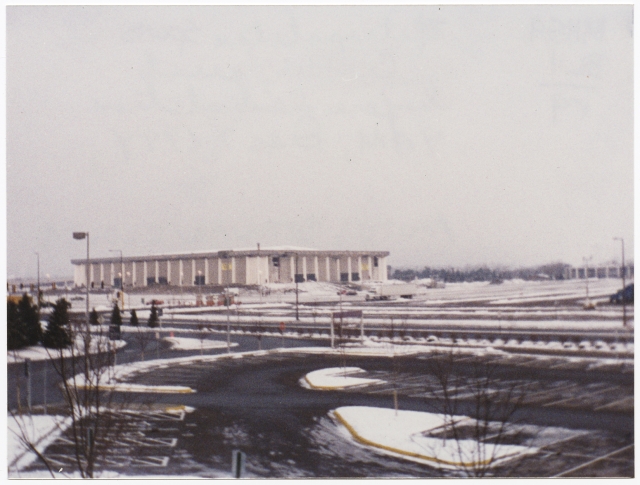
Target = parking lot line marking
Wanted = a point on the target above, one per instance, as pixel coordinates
(548, 391)
(582, 396)
(604, 406)
(584, 465)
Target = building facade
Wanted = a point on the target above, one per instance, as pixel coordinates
(234, 267)
(603, 271)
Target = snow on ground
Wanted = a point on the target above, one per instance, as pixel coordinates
(41, 430)
(38, 352)
(406, 434)
(337, 378)
(184, 343)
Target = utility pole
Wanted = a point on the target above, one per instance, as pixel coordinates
(624, 285)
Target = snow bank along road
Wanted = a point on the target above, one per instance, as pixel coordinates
(256, 403)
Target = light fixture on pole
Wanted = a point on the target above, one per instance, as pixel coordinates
(83, 235)
(624, 284)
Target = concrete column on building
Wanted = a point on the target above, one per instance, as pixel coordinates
(77, 274)
(383, 262)
(180, 272)
(219, 271)
(349, 268)
(157, 275)
(168, 271)
(113, 275)
(101, 272)
(133, 274)
(304, 267)
(327, 261)
(292, 264)
(359, 268)
(193, 271)
(206, 271)
(233, 270)
(370, 264)
(338, 269)
(145, 274)
(315, 268)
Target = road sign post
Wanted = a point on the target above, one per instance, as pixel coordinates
(27, 373)
(238, 463)
(45, 388)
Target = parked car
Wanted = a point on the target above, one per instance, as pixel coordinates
(623, 296)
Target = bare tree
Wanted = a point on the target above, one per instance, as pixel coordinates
(143, 337)
(86, 378)
(480, 411)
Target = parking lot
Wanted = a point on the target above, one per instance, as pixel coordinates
(582, 416)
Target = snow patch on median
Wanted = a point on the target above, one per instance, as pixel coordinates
(337, 378)
(407, 434)
(184, 343)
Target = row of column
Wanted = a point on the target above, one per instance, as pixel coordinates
(249, 270)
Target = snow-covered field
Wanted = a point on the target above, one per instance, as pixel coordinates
(406, 434)
(509, 292)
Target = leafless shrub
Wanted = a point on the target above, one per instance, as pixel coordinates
(480, 411)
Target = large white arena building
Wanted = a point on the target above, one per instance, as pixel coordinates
(234, 267)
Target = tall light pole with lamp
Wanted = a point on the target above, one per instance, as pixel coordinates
(624, 284)
(83, 235)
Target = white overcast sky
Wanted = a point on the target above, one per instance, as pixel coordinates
(446, 135)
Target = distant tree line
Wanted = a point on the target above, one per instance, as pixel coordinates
(554, 271)
(24, 328)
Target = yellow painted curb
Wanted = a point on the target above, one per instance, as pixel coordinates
(322, 388)
(365, 441)
(174, 408)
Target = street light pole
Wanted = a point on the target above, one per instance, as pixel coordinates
(624, 285)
